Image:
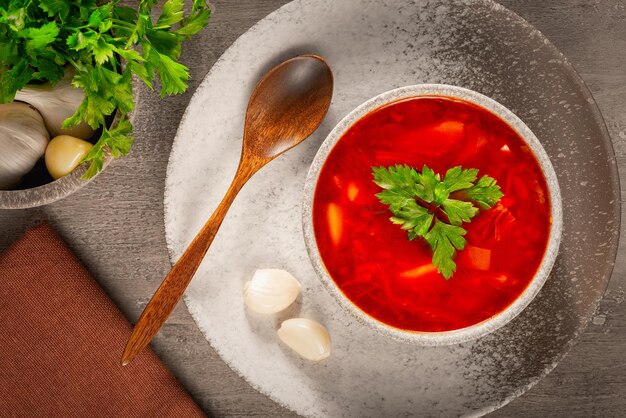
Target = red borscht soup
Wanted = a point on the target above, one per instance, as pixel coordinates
(393, 279)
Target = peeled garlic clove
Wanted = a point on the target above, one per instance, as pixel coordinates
(270, 291)
(23, 140)
(57, 103)
(306, 337)
(64, 154)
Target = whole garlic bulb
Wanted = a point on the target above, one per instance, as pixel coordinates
(57, 103)
(23, 140)
(306, 337)
(270, 291)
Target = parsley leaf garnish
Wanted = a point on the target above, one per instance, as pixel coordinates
(116, 142)
(427, 206)
(40, 39)
(445, 239)
(485, 193)
(458, 211)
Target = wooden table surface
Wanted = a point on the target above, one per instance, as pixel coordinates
(115, 224)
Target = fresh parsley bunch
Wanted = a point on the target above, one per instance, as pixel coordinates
(427, 206)
(39, 39)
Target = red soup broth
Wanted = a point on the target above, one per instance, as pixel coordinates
(391, 278)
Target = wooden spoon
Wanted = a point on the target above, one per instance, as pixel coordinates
(287, 105)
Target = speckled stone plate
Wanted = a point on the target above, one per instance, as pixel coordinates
(374, 46)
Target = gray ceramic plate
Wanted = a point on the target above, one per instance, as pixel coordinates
(374, 46)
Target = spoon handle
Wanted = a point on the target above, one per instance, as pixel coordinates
(171, 290)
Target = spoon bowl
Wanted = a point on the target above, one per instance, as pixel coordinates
(287, 105)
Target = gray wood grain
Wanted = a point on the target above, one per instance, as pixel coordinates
(115, 224)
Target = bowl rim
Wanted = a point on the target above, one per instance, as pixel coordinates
(490, 324)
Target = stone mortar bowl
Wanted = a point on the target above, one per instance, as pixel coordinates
(64, 186)
(49, 192)
(488, 325)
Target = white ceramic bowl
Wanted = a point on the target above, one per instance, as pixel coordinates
(488, 325)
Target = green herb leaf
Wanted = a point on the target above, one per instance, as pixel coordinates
(445, 239)
(173, 75)
(394, 177)
(486, 193)
(457, 178)
(424, 205)
(117, 141)
(60, 8)
(13, 80)
(102, 51)
(197, 20)
(172, 13)
(81, 40)
(458, 211)
(39, 38)
(14, 16)
(125, 13)
(164, 42)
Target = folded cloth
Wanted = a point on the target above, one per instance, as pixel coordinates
(61, 340)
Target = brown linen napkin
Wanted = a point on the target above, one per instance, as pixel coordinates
(61, 339)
